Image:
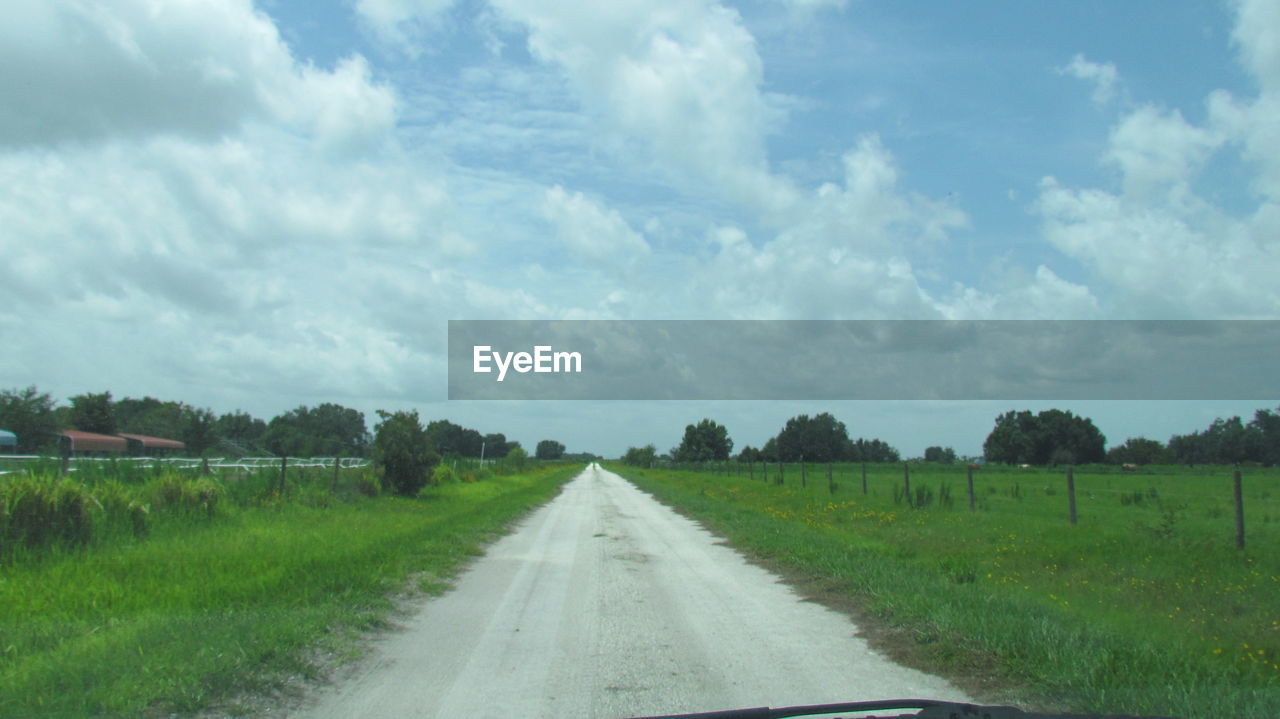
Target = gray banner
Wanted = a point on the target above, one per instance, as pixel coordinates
(864, 359)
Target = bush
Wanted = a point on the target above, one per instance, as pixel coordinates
(442, 474)
(184, 496)
(402, 453)
(38, 512)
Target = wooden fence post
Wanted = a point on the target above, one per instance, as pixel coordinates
(751, 469)
(337, 464)
(831, 484)
(1239, 496)
(781, 477)
(803, 483)
(1071, 494)
(65, 465)
(971, 502)
(864, 476)
(906, 484)
(284, 466)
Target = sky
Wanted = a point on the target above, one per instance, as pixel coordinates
(263, 205)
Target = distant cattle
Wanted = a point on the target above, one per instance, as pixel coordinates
(1024, 466)
(1127, 467)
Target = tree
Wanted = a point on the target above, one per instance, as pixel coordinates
(942, 455)
(704, 442)
(549, 449)
(1267, 425)
(93, 413)
(241, 428)
(518, 458)
(496, 446)
(198, 432)
(148, 416)
(29, 414)
(1138, 450)
(640, 456)
(873, 450)
(821, 438)
(1050, 437)
(401, 452)
(1012, 439)
(327, 430)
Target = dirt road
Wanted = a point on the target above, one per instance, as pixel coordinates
(604, 604)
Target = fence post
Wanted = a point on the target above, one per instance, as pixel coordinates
(781, 478)
(970, 473)
(906, 485)
(751, 470)
(337, 464)
(803, 482)
(864, 476)
(1239, 495)
(284, 466)
(831, 484)
(1071, 493)
(204, 466)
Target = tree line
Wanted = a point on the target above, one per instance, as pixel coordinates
(1050, 437)
(327, 429)
(821, 438)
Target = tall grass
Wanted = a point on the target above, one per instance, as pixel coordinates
(1140, 608)
(233, 588)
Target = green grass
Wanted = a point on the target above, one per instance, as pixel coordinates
(1144, 606)
(198, 613)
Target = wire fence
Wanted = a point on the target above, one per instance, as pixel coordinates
(1218, 496)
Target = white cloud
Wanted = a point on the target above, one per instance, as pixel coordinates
(1018, 295)
(844, 253)
(89, 72)
(1158, 153)
(1257, 36)
(591, 233)
(1105, 78)
(402, 24)
(682, 78)
(1156, 245)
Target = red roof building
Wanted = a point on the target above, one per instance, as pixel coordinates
(84, 442)
(141, 444)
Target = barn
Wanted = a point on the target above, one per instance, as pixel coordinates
(89, 444)
(140, 445)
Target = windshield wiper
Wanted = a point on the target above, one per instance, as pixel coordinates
(926, 709)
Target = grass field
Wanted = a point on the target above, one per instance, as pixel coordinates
(1144, 606)
(200, 610)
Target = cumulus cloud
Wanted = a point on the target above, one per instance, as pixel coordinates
(87, 72)
(1105, 78)
(844, 255)
(1158, 152)
(590, 232)
(682, 78)
(1158, 246)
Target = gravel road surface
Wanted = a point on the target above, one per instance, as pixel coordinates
(606, 604)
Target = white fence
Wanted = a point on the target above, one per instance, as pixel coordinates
(12, 464)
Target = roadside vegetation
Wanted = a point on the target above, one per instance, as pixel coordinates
(1144, 606)
(132, 591)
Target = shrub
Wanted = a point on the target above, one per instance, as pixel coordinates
(442, 474)
(402, 452)
(38, 512)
